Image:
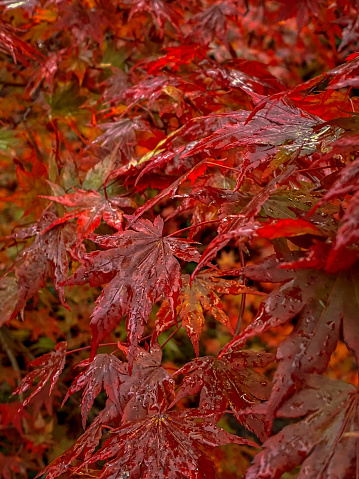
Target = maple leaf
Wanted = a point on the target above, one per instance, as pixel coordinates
(280, 205)
(232, 374)
(146, 388)
(287, 228)
(159, 10)
(240, 228)
(323, 301)
(167, 444)
(121, 134)
(11, 43)
(348, 233)
(31, 185)
(50, 366)
(46, 256)
(84, 22)
(347, 182)
(149, 385)
(139, 266)
(90, 206)
(104, 372)
(11, 413)
(46, 72)
(176, 57)
(325, 442)
(198, 297)
(28, 5)
(301, 9)
(277, 125)
(212, 22)
(346, 74)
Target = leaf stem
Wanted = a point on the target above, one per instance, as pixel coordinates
(171, 335)
(222, 166)
(88, 347)
(243, 299)
(192, 226)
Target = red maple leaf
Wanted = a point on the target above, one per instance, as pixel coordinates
(160, 11)
(198, 297)
(90, 206)
(322, 301)
(232, 374)
(104, 372)
(11, 466)
(212, 22)
(45, 257)
(139, 267)
(324, 443)
(32, 185)
(146, 388)
(12, 44)
(49, 366)
(167, 444)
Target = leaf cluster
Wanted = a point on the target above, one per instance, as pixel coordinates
(179, 213)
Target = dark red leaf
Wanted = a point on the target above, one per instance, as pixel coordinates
(90, 206)
(50, 367)
(324, 443)
(168, 444)
(139, 267)
(199, 297)
(104, 372)
(232, 375)
(45, 257)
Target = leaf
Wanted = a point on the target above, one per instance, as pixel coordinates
(121, 135)
(11, 43)
(139, 267)
(282, 304)
(160, 12)
(167, 444)
(148, 387)
(104, 372)
(301, 10)
(273, 126)
(134, 394)
(346, 74)
(232, 375)
(323, 302)
(90, 206)
(347, 182)
(50, 367)
(199, 297)
(287, 228)
(240, 228)
(211, 23)
(31, 186)
(324, 443)
(46, 256)
(281, 204)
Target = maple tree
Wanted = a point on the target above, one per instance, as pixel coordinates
(179, 204)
